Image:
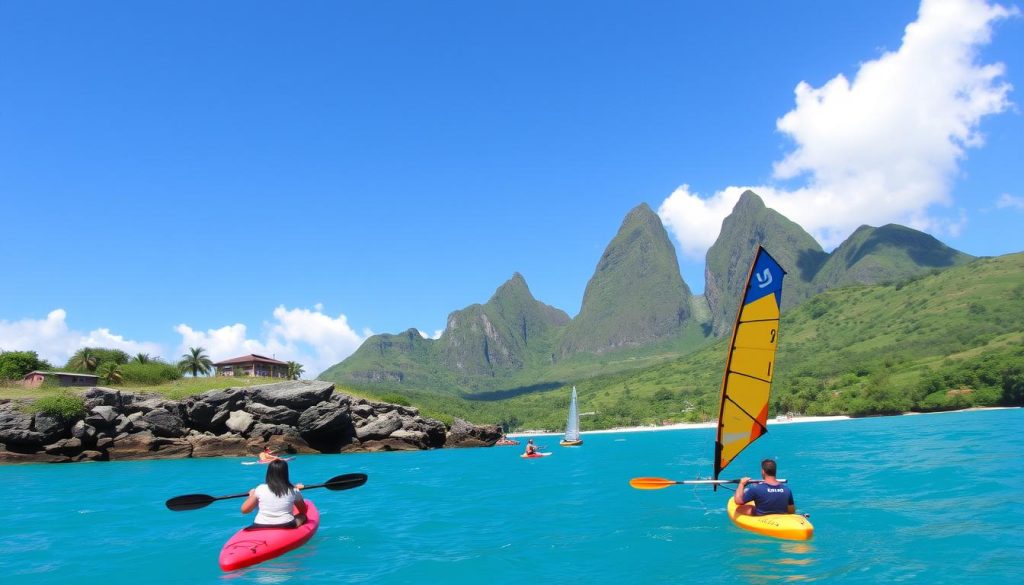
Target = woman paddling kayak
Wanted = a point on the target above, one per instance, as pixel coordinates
(276, 499)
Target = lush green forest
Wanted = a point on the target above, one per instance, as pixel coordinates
(943, 340)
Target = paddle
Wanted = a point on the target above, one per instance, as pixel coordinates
(196, 501)
(658, 483)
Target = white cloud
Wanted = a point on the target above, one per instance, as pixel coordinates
(1006, 200)
(436, 335)
(882, 148)
(54, 341)
(310, 337)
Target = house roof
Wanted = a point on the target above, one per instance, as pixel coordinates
(47, 373)
(248, 359)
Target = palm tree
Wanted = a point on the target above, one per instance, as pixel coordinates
(195, 361)
(84, 359)
(294, 370)
(142, 358)
(111, 373)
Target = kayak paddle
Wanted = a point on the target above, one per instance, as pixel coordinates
(658, 483)
(196, 501)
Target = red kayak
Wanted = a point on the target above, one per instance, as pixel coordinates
(254, 545)
(534, 455)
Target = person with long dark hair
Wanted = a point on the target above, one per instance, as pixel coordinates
(276, 499)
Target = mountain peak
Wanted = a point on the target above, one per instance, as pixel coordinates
(636, 295)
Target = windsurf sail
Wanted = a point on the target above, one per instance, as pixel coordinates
(750, 364)
(572, 425)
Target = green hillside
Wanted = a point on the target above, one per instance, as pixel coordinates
(946, 339)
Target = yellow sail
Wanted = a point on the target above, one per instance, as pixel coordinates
(750, 365)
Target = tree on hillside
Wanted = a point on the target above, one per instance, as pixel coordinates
(84, 359)
(110, 373)
(196, 361)
(294, 370)
(142, 358)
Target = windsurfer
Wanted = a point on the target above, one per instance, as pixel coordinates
(767, 497)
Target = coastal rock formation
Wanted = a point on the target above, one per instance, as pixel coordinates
(289, 417)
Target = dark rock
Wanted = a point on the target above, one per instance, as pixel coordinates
(70, 446)
(102, 417)
(163, 423)
(199, 414)
(388, 445)
(218, 424)
(326, 426)
(274, 415)
(380, 427)
(98, 396)
(22, 440)
(12, 418)
(464, 434)
(226, 399)
(90, 456)
(297, 395)
(149, 405)
(226, 445)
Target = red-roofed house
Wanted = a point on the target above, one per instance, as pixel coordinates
(253, 365)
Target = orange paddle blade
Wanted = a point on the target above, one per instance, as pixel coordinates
(651, 483)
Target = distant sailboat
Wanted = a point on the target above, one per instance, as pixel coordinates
(572, 425)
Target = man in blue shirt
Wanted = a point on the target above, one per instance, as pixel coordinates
(768, 497)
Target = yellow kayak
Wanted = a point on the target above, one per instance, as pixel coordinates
(787, 526)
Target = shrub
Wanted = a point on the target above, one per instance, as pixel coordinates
(64, 405)
(150, 373)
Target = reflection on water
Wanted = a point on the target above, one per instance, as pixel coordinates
(777, 561)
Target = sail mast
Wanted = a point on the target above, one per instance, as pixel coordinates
(749, 365)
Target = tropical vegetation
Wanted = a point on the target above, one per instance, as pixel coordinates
(196, 362)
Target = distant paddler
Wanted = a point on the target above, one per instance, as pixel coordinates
(765, 497)
(266, 455)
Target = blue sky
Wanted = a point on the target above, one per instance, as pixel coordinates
(289, 178)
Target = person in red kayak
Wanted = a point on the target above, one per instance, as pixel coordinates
(276, 499)
(531, 449)
(266, 455)
(767, 497)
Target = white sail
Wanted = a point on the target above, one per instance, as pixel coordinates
(572, 426)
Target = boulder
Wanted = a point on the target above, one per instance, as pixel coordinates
(464, 434)
(273, 415)
(199, 414)
(297, 395)
(326, 426)
(13, 418)
(163, 423)
(150, 404)
(89, 456)
(226, 445)
(99, 396)
(226, 399)
(71, 446)
(388, 445)
(239, 421)
(102, 416)
(380, 427)
(84, 432)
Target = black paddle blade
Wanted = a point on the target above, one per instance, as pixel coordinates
(190, 502)
(346, 482)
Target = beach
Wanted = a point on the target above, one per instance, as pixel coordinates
(713, 424)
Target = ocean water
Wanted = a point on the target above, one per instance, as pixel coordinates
(912, 499)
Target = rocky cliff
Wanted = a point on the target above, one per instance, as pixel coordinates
(289, 417)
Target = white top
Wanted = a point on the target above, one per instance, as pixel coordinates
(274, 509)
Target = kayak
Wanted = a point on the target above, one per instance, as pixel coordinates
(254, 545)
(786, 526)
(265, 462)
(534, 455)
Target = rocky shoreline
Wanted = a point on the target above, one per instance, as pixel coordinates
(289, 417)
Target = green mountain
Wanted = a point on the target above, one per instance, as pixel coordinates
(511, 331)
(636, 296)
(888, 253)
(637, 317)
(948, 339)
(728, 260)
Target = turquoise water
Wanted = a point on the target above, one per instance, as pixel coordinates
(910, 498)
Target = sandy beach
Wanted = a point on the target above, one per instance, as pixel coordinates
(679, 426)
(711, 425)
